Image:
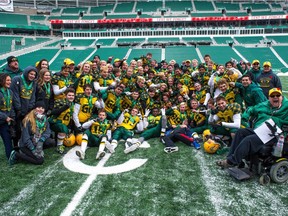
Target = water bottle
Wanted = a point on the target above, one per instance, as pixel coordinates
(277, 152)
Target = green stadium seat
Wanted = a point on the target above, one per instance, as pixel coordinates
(148, 6)
(179, 6)
(256, 6)
(137, 53)
(124, 7)
(223, 40)
(227, 6)
(203, 6)
(17, 19)
(80, 42)
(278, 39)
(101, 9)
(180, 54)
(249, 39)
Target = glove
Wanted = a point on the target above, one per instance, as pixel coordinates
(96, 119)
(140, 116)
(126, 111)
(128, 93)
(186, 96)
(147, 112)
(174, 107)
(163, 111)
(39, 150)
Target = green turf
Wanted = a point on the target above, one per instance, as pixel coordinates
(182, 183)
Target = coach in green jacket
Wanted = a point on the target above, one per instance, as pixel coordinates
(246, 142)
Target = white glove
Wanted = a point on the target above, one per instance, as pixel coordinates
(147, 112)
(186, 96)
(163, 111)
(174, 107)
(128, 93)
(140, 116)
(126, 111)
(234, 61)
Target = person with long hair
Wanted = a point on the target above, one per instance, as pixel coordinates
(35, 134)
(7, 114)
(43, 63)
(44, 90)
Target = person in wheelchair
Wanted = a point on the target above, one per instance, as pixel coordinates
(246, 142)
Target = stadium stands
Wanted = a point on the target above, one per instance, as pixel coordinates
(256, 6)
(124, 7)
(37, 17)
(210, 14)
(203, 6)
(267, 13)
(148, 6)
(180, 54)
(137, 53)
(282, 51)
(105, 42)
(101, 9)
(219, 54)
(17, 19)
(80, 42)
(64, 17)
(223, 40)
(118, 52)
(197, 39)
(260, 53)
(248, 39)
(74, 10)
(162, 39)
(227, 6)
(278, 39)
(179, 6)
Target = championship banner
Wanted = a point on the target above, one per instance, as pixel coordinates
(6, 5)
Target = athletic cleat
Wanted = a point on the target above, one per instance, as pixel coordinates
(128, 143)
(80, 154)
(196, 145)
(131, 148)
(12, 158)
(61, 149)
(100, 154)
(169, 150)
(110, 147)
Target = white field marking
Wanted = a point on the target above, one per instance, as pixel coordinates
(72, 162)
(26, 192)
(244, 198)
(69, 158)
(209, 180)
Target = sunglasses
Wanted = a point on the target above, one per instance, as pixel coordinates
(277, 95)
(256, 64)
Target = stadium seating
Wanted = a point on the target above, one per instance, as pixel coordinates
(76, 55)
(210, 14)
(261, 53)
(37, 17)
(56, 11)
(80, 42)
(17, 19)
(162, 39)
(148, 6)
(249, 39)
(222, 40)
(6, 42)
(124, 7)
(197, 39)
(105, 42)
(282, 52)
(267, 13)
(130, 40)
(114, 16)
(179, 6)
(256, 6)
(180, 54)
(276, 6)
(203, 6)
(106, 52)
(219, 54)
(101, 9)
(228, 14)
(56, 44)
(64, 17)
(278, 39)
(137, 53)
(228, 6)
(74, 10)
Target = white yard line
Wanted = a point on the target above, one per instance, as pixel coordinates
(210, 181)
(25, 193)
(83, 189)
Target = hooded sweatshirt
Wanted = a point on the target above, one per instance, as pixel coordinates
(23, 92)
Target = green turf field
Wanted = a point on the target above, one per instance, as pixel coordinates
(183, 183)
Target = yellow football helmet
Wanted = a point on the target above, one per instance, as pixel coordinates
(69, 140)
(210, 146)
(206, 135)
(79, 139)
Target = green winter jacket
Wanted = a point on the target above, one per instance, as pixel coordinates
(264, 111)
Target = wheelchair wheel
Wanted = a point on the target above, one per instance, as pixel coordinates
(279, 172)
(264, 179)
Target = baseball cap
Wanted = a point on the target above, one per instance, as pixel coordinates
(11, 59)
(116, 60)
(188, 61)
(267, 63)
(255, 61)
(275, 90)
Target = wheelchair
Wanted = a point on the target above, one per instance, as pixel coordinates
(265, 165)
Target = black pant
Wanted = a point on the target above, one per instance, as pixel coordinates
(26, 154)
(245, 143)
(179, 134)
